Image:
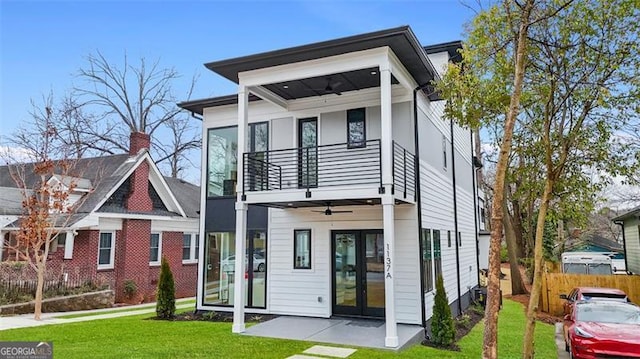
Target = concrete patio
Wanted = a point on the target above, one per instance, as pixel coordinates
(345, 331)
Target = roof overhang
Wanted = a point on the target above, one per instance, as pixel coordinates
(633, 213)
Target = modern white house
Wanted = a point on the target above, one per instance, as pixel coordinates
(334, 168)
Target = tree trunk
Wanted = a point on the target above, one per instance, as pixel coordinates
(518, 228)
(534, 299)
(490, 339)
(517, 284)
(39, 289)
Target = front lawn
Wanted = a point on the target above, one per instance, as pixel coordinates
(136, 337)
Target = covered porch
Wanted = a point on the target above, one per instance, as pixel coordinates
(367, 333)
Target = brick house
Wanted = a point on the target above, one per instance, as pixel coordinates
(129, 217)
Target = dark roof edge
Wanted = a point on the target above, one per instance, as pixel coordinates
(198, 106)
(630, 213)
(305, 48)
(445, 46)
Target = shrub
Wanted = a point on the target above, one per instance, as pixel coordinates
(166, 293)
(464, 321)
(130, 289)
(443, 331)
(504, 255)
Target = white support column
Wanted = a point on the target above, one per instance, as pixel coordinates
(241, 214)
(1, 244)
(388, 206)
(68, 244)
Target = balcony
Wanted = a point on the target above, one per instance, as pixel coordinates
(341, 173)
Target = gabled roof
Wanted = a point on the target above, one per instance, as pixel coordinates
(634, 212)
(189, 197)
(106, 174)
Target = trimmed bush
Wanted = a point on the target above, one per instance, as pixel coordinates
(166, 294)
(443, 330)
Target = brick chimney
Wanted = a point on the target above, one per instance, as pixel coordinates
(138, 141)
(138, 199)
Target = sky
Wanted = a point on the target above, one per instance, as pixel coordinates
(44, 43)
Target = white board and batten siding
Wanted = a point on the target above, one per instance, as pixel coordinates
(437, 197)
(309, 292)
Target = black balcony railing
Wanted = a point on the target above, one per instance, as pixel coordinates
(404, 172)
(325, 166)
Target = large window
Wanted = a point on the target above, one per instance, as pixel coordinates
(356, 130)
(302, 249)
(155, 249)
(427, 259)
(220, 260)
(190, 247)
(106, 249)
(222, 161)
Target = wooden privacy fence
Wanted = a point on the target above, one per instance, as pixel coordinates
(554, 284)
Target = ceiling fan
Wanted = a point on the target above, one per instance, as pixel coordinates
(329, 211)
(331, 87)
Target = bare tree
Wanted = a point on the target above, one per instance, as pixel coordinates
(128, 98)
(45, 186)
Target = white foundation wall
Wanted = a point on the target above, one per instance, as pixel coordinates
(296, 292)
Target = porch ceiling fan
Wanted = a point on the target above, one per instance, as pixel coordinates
(331, 87)
(329, 211)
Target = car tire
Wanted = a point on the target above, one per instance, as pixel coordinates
(261, 267)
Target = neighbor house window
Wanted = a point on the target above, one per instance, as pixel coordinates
(190, 247)
(448, 238)
(437, 254)
(155, 249)
(444, 152)
(302, 249)
(356, 130)
(459, 239)
(222, 161)
(427, 259)
(106, 249)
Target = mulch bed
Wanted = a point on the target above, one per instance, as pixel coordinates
(463, 325)
(210, 316)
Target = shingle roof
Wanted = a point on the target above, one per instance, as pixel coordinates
(104, 173)
(633, 212)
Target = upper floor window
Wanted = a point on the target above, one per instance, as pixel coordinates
(106, 250)
(356, 130)
(222, 161)
(444, 152)
(155, 249)
(427, 259)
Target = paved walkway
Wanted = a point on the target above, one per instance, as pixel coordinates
(26, 320)
(324, 352)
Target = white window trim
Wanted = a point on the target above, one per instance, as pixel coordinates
(192, 249)
(110, 265)
(156, 263)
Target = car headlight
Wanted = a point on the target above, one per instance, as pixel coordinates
(581, 333)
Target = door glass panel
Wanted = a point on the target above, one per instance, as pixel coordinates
(374, 253)
(257, 161)
(345, 274)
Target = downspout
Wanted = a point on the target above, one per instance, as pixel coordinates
(624, 244)
(474, 170)
(419, 201)
(455, 214)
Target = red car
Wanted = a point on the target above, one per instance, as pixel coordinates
(602, 329)
(592, 293)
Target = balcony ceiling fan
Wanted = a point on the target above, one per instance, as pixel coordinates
(331, 87)
(329, 211)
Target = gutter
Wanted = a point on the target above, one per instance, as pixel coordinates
(419, 202)
(624, 244)
(455, 214)
(474, 173)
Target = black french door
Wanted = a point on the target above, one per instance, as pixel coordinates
(308, 152)
(358, 272)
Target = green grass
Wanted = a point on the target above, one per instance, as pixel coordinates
(137, 337)
(123, 310)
